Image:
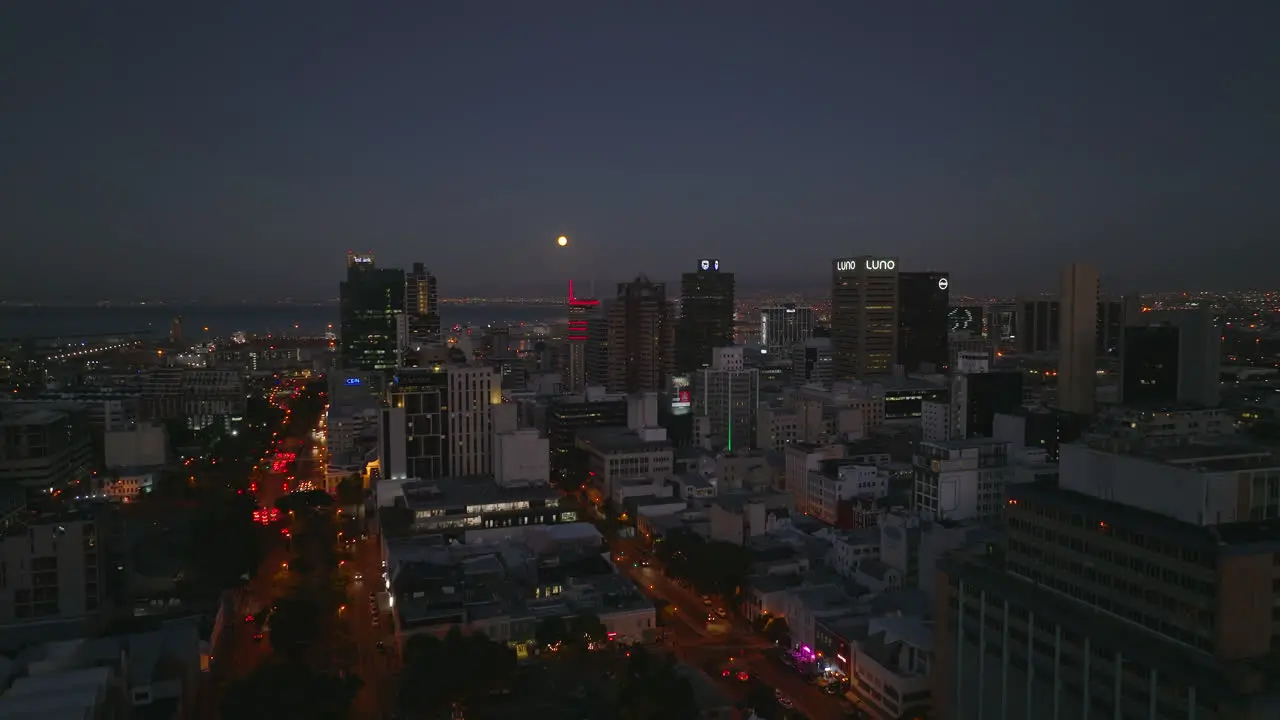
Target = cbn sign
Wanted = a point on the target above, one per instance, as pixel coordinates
(709, 264)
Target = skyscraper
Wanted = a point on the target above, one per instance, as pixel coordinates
(1171, 358)
(641, 338)
(785, 326)
(581, 312)
(1077, 339)
(706, 315)
(422, 304)
(923, 303)
(864, 315)
(370, 301)
(1039, 325)
(413, 432)
(726, 397)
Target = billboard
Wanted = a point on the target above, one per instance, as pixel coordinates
(681, 395)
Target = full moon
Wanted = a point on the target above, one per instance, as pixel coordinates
(562, 241)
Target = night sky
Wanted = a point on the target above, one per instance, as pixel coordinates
(227, 150)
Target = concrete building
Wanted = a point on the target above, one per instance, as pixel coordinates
(142, 445)
(1171, 358)
(813, 362)
(43, 448)
(1077, 339)
(52, 570)
(727, 395)
(1101, 609)
(783, 327)
(521, 457)
(615, 455)
(961, 479)
(640, 338)
(1196, 483)
(864, 316)
(473, 389)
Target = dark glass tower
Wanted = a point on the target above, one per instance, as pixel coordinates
(706, 315)
(422, 304)
(1149, 368)
(370, 299)
(923, 305)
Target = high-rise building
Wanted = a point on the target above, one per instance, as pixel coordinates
(422, 304)
(813, 361)
(864, 315)
(1171, 358)
(596, 348)
(726, 397)
(370, 301)
(977, 397)
(1038, 325)
(1115, 597)
(1110, 328)
(923, 302)
(641, 338)
(1077, 339)
(413, 432)
(574, 371)
(706, 315)
(965, 320)
(785, 326)
(473, 390)
(567, 414)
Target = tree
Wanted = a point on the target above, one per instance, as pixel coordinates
(760, 698)
(283, 689)
(459, 668)
(351, 490)
(652, 689)
(587, 628)
(549, 631)
(226, 544)
(777, 630)
(301, 622)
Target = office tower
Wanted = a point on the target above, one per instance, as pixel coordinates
(977, 397)
(567, 414)
(422, 304)
(596, 348)
(785, 326)
(641, 338)
(864, 315)
(706, 315)
(1077, 338)
(813, 361)
(923, 302)
(965, 320)
(574, 372)
(1115, 597)
(727, 395)
(413, 432)
(1171, 358)
(1110, 328)
(473, 389)
(1038, 325)
(369, 301)
(1000, 322)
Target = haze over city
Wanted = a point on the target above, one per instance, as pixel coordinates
(236, 151)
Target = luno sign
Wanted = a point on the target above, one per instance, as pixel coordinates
(850, 265)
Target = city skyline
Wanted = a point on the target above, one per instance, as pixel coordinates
(470, 140)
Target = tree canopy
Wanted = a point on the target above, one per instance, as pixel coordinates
(286, 689)
(713, 567)
(650, 688)
(459, 668)
(351, 490)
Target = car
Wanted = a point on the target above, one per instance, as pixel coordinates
(381, 647)
(358, 576)
(786, 703)
(706, 600)
(722, 613)
(257, 637)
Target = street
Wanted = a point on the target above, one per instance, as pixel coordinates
(693, 643)
(379, 670)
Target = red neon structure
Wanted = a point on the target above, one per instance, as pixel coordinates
(578, 327)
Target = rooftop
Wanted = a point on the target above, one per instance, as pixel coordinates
(469, 492)
(619, 439)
